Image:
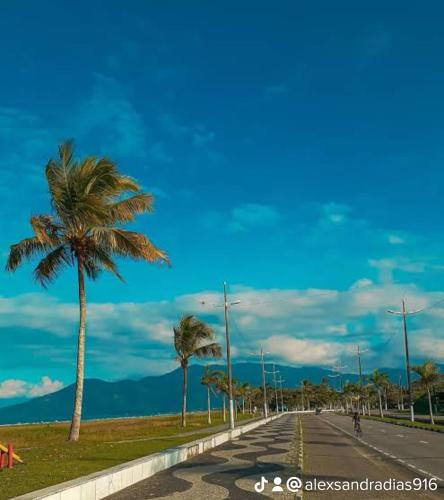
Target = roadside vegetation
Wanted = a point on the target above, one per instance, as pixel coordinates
(51, 459)
(407, 423)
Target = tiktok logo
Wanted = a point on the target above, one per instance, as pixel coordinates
(259, 487)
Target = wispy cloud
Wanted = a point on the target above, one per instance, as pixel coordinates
(110, 118)
(244, 217)
(278, 88)
(19, 388)
(251, 215)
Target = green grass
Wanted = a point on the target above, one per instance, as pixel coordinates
(407, 423)
(50, 459)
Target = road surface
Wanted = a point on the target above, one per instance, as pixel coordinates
(229, 471)
(332, 455)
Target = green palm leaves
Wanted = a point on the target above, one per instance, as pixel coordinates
(90, 200)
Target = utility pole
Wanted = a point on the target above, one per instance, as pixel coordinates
(264, 385)
(275, 386)
(404, 313)
(282, 394)
(230, 378)
(338, 369)
(359, 353)
(401, 396)
(226, 305)
(360, 367)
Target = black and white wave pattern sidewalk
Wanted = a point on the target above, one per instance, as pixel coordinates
(229, 471)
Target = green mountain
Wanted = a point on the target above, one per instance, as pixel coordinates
(151, 395)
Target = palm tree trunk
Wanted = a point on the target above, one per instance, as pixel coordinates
(184, 394)
(385, 400)
(380, 404)
(209, 404)
(432, 420)
(80, 369)
(243, 406)
(224, 416)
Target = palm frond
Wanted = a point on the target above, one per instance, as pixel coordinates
(96, 259)
(208, 351)
(126, 210)
(49, 267)
(24, 250)
(129, 244)
(46, 230)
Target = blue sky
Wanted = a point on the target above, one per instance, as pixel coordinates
(295, 150)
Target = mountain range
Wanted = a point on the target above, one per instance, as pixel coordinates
(152, 395)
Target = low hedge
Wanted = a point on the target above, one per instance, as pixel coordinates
(407, 423)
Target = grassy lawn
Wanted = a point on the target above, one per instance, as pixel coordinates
(50, 459)
(407, 423)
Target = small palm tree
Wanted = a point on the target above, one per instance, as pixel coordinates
(307, 392)
(191, 338)
(243, 391)
(222, 388)
(429, 375)
(379, 380)
(90, 201)
(208, 379)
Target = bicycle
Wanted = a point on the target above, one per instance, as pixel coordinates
(357, 429)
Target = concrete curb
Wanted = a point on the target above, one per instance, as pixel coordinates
(106, 482)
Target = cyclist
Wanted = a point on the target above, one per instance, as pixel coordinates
(357, 424)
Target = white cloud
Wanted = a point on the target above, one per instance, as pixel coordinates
(303, 352)
(395, 239)
(362, 283)
(19, 388)
(319, 325)
(387, 266)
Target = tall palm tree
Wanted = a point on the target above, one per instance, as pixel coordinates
(191, 338)
(90, 201)
(379, 380)
(208, 379)
(429, 375)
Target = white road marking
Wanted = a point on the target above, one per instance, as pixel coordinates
(387, 454)
(425, 442)
(400, 435)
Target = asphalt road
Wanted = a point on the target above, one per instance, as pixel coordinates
(332, 455)
(229, 471)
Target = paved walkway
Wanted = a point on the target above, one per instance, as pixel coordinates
(229, 471)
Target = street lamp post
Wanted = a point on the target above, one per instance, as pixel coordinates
(404, 313)
(226, 306)
(275, 386)
(264, 385)
(229, 372)
(282, 394)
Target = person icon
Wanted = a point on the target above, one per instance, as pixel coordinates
(277, 488)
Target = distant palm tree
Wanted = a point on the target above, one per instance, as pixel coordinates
(223, 389)
(243, 391)
(89, 205)
(379, 380)
(307, 392)
(429, 375)
(191, 338)
(208, 379)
